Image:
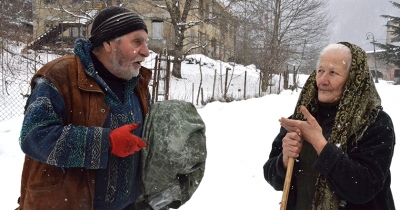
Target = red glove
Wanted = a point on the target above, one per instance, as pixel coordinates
(123, 142)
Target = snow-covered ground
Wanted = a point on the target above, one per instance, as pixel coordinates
(239, 137)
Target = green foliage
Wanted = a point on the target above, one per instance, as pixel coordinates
(392, 52)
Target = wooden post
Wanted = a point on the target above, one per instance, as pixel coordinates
(3, 80)
(294, 78)
(193, 93)
(154, 82)
(226, 83)
(202, 97)
(260, 84)
(157, 72)
(201, 81)
(245, 82)
(167, 79)
(279, 83)
(220, 73)
(215, 77)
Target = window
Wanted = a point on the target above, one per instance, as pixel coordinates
(211, 10)
(48, 25)
(50, 1)
(191, 35)
(201, 9)
(157, 29)
(77, 32)
(206, 11)
(199, 38)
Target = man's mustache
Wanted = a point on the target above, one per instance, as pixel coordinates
(138, 59)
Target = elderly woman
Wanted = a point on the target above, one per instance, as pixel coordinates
(341, 138)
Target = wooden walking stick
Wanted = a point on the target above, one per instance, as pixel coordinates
(286, 186)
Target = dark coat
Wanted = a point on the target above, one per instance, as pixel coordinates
(57, 185)
(360, 176)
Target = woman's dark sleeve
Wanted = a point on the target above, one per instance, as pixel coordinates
(360, 174)
(274, 171)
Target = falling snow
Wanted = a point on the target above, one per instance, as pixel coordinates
(239, 137)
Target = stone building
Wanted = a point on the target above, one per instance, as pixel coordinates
(60, 22)
(386, 71)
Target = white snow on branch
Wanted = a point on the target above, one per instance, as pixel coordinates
(190, 24)
(160, 6)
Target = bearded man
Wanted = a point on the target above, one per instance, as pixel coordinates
(83, 120)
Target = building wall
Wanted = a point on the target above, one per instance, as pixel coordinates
(391, 68)
(218, 36)
(48, 13)
(218, 43)
(387, 70)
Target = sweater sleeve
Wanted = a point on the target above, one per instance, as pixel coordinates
(360, 173)
(274, 172)
(46, 137)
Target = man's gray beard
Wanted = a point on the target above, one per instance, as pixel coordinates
(129, 73)
(135, 72)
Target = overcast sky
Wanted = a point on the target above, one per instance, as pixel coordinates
(352, 19)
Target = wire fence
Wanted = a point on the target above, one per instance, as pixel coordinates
(199, 89)
(219, 87)
(16, 72)
(14, 89)
(205, 80)
(13, 99)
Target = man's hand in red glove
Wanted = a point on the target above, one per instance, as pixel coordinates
(123, 142)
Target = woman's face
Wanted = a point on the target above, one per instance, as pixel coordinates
(332, 74)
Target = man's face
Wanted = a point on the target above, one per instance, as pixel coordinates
(332, 74)
(127, 54)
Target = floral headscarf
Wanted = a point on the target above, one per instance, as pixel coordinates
(358, 108)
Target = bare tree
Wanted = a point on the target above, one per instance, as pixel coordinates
(183, 15)
(16, 28)
(15, 19)
(287, 32)
(298, 26)
(248, 40)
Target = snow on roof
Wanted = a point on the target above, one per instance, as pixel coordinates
(371, 51)
(395, 43)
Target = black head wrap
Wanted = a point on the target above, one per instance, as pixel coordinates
(113, 22)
